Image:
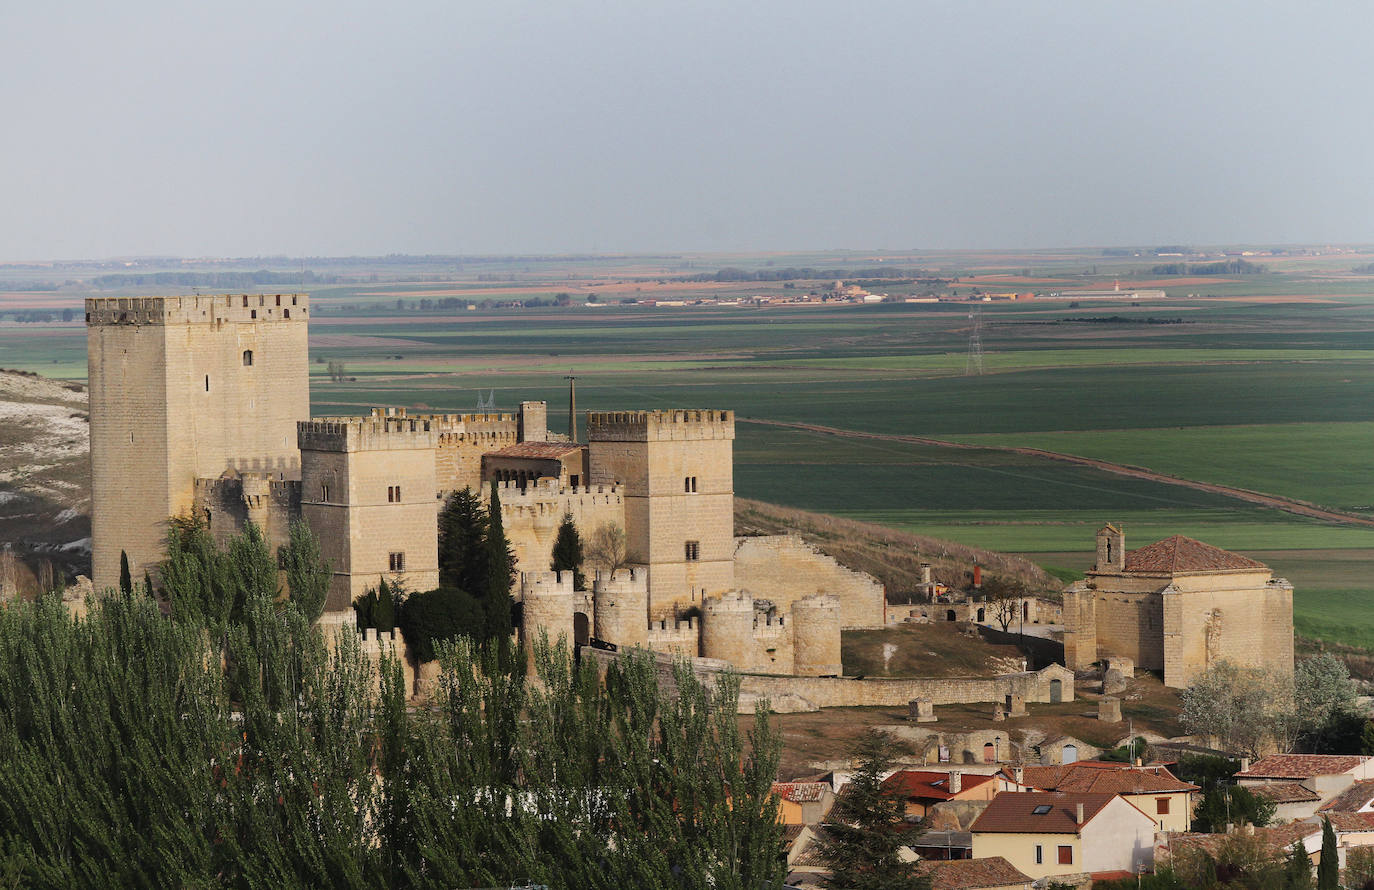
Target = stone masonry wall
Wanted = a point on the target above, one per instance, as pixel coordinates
(531, 517)
(785, 569)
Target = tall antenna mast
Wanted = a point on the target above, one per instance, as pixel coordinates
(974, 365)
(572, 406)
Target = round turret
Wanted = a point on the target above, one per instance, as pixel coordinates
(622, 607)
(727, 628)
(548, 607)
(816, 636)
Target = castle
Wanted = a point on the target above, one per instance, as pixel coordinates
(1177, 606)
(201, 403)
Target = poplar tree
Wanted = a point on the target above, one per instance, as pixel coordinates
(567, 552)
(307, 571)
(384, 613)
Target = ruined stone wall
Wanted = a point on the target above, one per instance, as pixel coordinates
(183, 388)
(531, 517)
(826, 692)
(784, 569)
(1080, 627)
(676, 470)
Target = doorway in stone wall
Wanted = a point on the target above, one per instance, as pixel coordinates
(581, 629)
(1056, 691)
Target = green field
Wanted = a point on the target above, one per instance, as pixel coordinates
(1273, 396)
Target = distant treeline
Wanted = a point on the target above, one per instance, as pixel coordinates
(1366, 269)
(217, 280)
(798, 274)
(38, 316)
(1226, 267)
(16, 285)
(1123, 319)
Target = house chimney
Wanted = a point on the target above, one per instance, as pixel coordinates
(1080, 814)
(1019, 774)
(956, 781)
(977, 575)
(1244, 764)
(1139, 761)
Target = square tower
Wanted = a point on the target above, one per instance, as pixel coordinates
(184, 388)
(368, 492)
(676, 471)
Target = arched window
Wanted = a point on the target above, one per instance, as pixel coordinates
(248, 358)
(1070, 754)
(981, 615)
(989, 753)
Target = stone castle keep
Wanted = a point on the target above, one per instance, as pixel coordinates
(201, 404)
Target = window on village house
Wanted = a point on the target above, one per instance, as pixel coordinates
(1065, 854)
(1039, 854)
(693, 551)
(397, 561)
(1162, 806)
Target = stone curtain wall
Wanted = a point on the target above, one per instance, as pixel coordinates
(531, 517)
(785, 569)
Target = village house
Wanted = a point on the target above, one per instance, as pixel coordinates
(923, 789)
(803, 803)
(1153, 790)
(1046, 833)
(1324, 774)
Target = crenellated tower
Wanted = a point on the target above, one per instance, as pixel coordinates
(183, 388)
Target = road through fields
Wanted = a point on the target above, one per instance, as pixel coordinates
(1290, 505)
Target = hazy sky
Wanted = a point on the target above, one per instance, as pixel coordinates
(457, 126)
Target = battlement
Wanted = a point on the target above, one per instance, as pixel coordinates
(376, 432)
(658, 426)
(735, 601)
(621, 581)
(547, 494)
(197, 309)
(255, 489)
(537, 584)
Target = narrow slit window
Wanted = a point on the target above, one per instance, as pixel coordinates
(207, 382)
(248, 358)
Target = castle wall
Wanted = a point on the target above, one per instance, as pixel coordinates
(548, 606)
(185, 388)
(676, 470)
(816, 636)
(621, 612)
(828, 692)
(727, 629)
(229, 502)
(785, 569)
(677, 638)
(368, 491)
(531, 517)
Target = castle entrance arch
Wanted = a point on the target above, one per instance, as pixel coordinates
(1056, 691)
(581, 629)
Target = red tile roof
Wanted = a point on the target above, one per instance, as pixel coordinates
(1351, 821)
(1286, 792)
(972, 874)
(1277, 839)
(1014, 812)
(1302, 766)
(928, 785)
(1179, 554)
(1102, 779)
(801, 792)
(541, 450)
(1351, 800)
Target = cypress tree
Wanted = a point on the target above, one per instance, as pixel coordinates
(384, 613)
(1329, 867)
(500, 565)
(462, 543)
(126, 581)
(567, 552)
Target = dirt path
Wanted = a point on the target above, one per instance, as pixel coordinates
(1300, 508)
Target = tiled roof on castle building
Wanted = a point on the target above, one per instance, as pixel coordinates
(1302, 766)
(1178, 553)
(972, 874)
(541, 450)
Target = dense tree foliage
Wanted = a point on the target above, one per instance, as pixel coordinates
(307, 571)
(141, 750)
(500, 566)
(866, 828)
(1223, 805)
